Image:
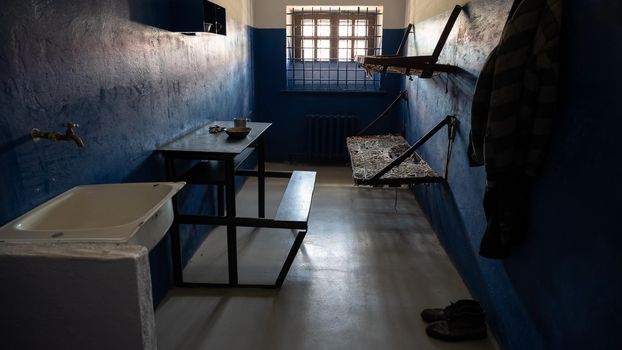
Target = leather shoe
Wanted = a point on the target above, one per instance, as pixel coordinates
(451, 311)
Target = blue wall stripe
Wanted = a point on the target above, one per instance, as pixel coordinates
(286, 110)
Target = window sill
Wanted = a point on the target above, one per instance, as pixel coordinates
(332, 92)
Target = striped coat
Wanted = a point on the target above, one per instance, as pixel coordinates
(512, 115)
(516, 93)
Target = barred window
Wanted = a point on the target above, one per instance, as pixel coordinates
(323, 42)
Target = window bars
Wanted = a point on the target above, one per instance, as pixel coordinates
(322, 43)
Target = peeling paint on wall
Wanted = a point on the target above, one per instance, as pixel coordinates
(130, 86)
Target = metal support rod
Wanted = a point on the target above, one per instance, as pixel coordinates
(429, 71)
(178, 273)
(239, 221)
(403, 95)
(227, 285)
(220, 188)
(261, 177)
(232, 250)
(397, 161)
(290, 258)
(271, 173)
(451, 135)
(445, 34)
(400, 49)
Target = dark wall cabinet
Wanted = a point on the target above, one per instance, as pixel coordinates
(194, 16)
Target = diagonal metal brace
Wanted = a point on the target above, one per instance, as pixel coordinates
(400, 49)
(449, 120)
(403, 95)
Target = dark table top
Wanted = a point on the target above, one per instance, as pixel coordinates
(201, 141)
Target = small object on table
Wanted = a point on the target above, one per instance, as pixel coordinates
(238, 133)
(240, 122)
(216, 129)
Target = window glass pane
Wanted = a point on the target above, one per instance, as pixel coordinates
(323, 50)
(345, 27)
(323, 27)
(360, 27)
(345, 50)
(307, 50)
(322, 43)
(360, 47)
(307, 27)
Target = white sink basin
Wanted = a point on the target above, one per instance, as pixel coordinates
(132, 213)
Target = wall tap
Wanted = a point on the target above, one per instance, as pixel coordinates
(69, 135)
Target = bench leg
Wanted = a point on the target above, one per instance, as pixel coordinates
(290, 258)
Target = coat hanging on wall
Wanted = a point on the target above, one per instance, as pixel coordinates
(512, 115)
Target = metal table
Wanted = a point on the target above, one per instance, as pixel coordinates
(219, 157)
(228, 153)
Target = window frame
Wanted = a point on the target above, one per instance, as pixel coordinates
(334, 17)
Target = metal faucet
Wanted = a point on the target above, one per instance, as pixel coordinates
(69, 135)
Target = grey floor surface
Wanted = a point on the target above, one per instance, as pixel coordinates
(368, 265)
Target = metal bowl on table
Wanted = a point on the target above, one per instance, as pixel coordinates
(238, 132)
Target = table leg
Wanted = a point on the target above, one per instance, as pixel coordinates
(261, 177)
(221, 199)
(178, 274)
(232, 250)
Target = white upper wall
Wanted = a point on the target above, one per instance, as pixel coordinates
(420, 10)
(238, 10)
(271, 13)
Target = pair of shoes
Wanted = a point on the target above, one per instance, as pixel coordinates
(454, 309)
(462, 320)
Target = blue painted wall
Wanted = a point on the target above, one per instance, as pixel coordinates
(561, 288)
(287, 109)
(130, 85)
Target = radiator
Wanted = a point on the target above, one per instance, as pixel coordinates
(326, 136)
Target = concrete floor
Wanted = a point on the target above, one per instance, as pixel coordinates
(369, 263)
